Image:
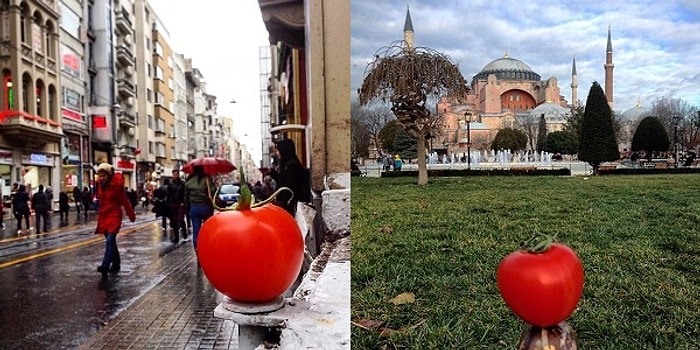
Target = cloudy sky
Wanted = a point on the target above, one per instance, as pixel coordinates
(656, 44)
(223, 39)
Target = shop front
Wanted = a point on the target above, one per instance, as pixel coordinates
(37, 169)
(128, 169)
(6, 174)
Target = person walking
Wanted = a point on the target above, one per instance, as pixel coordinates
(87, 201)
(41, 206)
(20, 208)
(398, 163)
(160, 208)
(175, 199)
(111, 198)
(77, 199)
(63, 206)
(290, 174)
(198, 198)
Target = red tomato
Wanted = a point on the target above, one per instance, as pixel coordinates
(251, 255)
(541, 288)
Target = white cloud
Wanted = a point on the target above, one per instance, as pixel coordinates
(655, 44)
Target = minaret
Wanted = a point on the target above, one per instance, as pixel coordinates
(574, 85)
(408, 31)
(609, 72)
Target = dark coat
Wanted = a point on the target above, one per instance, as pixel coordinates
(63, 201)
(20, 203)
(290, 173)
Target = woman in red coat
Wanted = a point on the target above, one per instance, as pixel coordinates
(111, 198)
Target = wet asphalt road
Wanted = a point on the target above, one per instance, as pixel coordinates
(51, 295)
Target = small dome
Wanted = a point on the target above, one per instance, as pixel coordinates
(507, 68)
(553, 113)
(634, 114)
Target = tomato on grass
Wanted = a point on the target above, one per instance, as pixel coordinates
(541, 283)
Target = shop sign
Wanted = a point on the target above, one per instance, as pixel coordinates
(5, 156)
(126, 165)
(38, 159)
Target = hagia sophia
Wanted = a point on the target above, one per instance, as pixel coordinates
(507, 93)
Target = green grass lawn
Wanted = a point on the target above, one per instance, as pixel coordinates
(637, 237)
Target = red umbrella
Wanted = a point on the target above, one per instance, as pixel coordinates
(211, 165)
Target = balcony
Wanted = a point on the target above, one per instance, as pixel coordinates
(124, 56)
(125, 87)
(92, 67)
(127, 119)
(123, 21)
(29, 130)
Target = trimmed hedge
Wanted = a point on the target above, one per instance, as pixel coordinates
(479, 172)
(646, 171)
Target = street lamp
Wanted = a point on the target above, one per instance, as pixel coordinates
(676, 119)
(468, 117)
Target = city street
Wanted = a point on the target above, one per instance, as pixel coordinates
(51, 295)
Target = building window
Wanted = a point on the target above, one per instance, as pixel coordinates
(25, 94)
(157, 49)
(150, 121)
(159, 73)
(148, 95)
(159, 98)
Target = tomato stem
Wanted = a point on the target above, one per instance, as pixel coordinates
(246, 200)
(538, 243)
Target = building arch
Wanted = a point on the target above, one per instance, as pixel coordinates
(27, 88)
(517, 100)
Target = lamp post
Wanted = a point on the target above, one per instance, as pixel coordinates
(468, 117)
(676, 119)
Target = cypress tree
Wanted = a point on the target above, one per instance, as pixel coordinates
(650, 136)
(405, 144)
(597, 141)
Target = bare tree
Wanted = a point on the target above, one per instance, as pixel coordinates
(685, 128)
(409, 77)
(369, 119)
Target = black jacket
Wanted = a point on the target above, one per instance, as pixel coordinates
(290, 173)
(175, 192)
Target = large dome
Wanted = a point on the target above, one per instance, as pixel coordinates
(507, 68)
(553, 113)
(634, 114)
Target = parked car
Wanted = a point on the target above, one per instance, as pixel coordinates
(228, 194)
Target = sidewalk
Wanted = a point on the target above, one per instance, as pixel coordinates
(179, 311)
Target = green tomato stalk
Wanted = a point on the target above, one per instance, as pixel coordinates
(539, 243)
(246, 200)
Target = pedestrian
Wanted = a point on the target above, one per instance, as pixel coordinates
(20, 208)
(398, 162)
(159, 206)
(269, 185)
(77, 199)
(199, 200)
(63, 206)
(133, 198)
(87, 201)
(259, 191)
(41, 206)
(111, 198)
(290, 174)
(175, 200)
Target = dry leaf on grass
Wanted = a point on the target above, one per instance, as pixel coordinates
(385, 229)
(368, 324)
(403, 298)
(385, 332)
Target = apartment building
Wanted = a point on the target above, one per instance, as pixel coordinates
(164, 100)
(30, 102)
